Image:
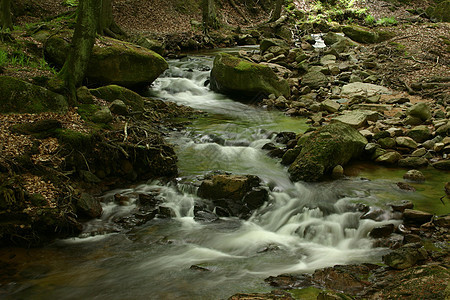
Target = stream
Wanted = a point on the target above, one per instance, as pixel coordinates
(303, 227)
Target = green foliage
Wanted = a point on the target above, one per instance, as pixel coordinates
(70, 3)
(3, 58)
(370, 20)
(387, 21)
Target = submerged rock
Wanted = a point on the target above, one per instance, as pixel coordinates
(240, 78)
(332, 145)
(405, 257)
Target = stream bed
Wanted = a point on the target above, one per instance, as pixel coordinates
(303, 227)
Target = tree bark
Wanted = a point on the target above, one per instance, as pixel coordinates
(74, 68)
(106, 24)
(209, 15)
(5, 16)
(277, 11)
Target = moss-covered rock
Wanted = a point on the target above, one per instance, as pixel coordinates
(112, 61)
(238, 77)
(23, 97)
(332, 145)
(267, 43)
(440, 12)
(366, 36)
(111, 93)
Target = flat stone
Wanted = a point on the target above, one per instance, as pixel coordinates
(391, 157)
(357, 118)
(364, 89)
(416, 217)
(406, 142)
(330, 106)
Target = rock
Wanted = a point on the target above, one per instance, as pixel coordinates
(111, 93)
(442, 221)
(102, 116)
(364, 90)
(331, 38)
(406, 187)
(356, 118)
(112, 61)
(402, 205)
(41, 128)
(84, 96)
(238, 77)
(342, 46)
(233, 187)
(18, 96)
(267, 43)
(440, 12)
(443, 130)
(153, 45)
(290, 155)
(414, 175)
(338, 172)
(387, 143)
(255, 198)
(413, 162)
(118, 107)
(382, 231)
(416, 217)
(330, 106)
(324, 149)
(327, 59)
(405, 257)
(447, 188)
(343, 278)
(273, 295)
(315, 80)
(406, 142)
(364, 35)
(442, 164)
(420, 133)
(390, 158)
(89, 207)
(420, 110)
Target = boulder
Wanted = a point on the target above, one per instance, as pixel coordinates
(389, 158)
(88, 207)
(442, 165)
(22, 97)
(406, 142)
(405, 257)
(440, 12)
(118, 107)
(331, 38)
(342, 46)
(238, 77)
(233, 187)
(416, 217)
(382, 231)
(112, 61)
(324, 149)
(420, 133)
(153, 45)
(419, 110)
(330, 106)
(414, 175)
(365, 35)
(314, 80)
(111, 93)
(356, 118)
(267, 43)
(102, 116)
(402, 205)
(413, 162)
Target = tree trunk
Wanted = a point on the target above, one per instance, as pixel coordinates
(5, 16)
(74, 68)
(277, 12)
(209, 15)
(106, 24)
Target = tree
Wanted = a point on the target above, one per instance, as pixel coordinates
(74, 68)
(5, 15)
(105, 22)
(277, 11)
(209, 15)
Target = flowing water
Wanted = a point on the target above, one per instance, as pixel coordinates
(303, 226)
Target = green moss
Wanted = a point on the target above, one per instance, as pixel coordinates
(75, 139)
(87, 110)
(309, 293)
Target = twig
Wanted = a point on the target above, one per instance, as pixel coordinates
(87, 165)
(419, 61)
(403, 37)
(437, 61)
(125, 131)
(442, 199)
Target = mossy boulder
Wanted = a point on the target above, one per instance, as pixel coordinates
(112, 61)
(366, 36)
(267, 43)
(23, 97)
(113, 92)
(332, 145)
(240, 78)
(440, 12)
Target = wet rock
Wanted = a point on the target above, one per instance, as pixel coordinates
(406, 187)
(88, 207)
(414, 175)
(402, 205)
(238, 77)
(290, 156)
(420, 133)
(338, 172)
(147, 200)
(382, 231)
(199, 268)
(416, 217)
(287, 281)
(269, 146)
(165, 212)
(205, 216)
(447, 188)
(331, 145)
(406, 142)
(233, 187)
(255, 198)
(413, 162)
(442, 221)
(278, 152)
(420, 110)
(273, 295)
(405, 257)
(285, 136)
(390, 158)
(442, 164)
